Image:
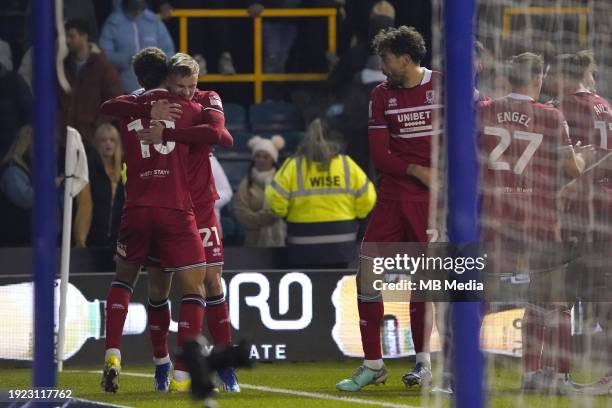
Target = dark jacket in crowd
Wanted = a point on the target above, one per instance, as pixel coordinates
(95, 82)
(15, 107)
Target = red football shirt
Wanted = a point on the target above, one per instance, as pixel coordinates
(589, 118)
(402, 122)
(201, 180)
(520, 150)
(157, 174)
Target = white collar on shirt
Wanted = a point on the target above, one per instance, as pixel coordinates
(582, 89)
(426, 76)
(520, 97)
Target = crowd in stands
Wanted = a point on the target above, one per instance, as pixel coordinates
(102, 37)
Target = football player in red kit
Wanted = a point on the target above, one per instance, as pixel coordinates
(403, 113)
(524, 150)
(182, 81)
(589, 117)
(157, 216)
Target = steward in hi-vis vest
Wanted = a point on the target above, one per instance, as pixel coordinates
(322, 194)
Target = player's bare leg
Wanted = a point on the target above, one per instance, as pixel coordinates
(191, 317)
(158, 313)
(218, 322)
(117, 302)
(371, 311)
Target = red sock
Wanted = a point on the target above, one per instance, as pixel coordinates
(217, 320)
(117, 301)
(158, 314)
(547, 360)
(533, 337)
(421, 322)
(561, 340)
(370, 319)
(191, 317)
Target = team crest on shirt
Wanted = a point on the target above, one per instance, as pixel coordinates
(392, 102)
(429, 97)
(215, 101)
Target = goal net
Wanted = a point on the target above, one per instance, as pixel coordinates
(545, 198)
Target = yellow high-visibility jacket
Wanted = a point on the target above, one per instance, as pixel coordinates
(321, 207)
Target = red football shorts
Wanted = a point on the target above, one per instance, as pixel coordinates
(210, 232)
(398, 221)
(164, 234)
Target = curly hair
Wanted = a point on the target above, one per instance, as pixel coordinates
(150, 67)
(401, 41)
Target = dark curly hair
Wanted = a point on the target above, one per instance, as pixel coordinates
(151, 67)
(402, 40)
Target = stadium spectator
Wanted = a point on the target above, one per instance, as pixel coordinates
(278, 35)
(322, 194)
(15, 24)
(224, 188)
(400, 146)
(92, 224)
(352, 80)
(15, 100)
(17, 191)
(129, 30)
(519, 200)
(262, 228)
(82, 10)
(210, 40)
(92, 79)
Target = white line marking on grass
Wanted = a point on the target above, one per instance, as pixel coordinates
(315, 395)
(318, 395)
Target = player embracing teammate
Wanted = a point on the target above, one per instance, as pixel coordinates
(198, 123)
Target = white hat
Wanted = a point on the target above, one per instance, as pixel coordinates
(271, 146)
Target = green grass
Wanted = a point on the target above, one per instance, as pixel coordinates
(305, 377)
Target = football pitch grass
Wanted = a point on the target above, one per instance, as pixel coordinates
(299, 385)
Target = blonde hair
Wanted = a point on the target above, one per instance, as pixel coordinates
(114, 168)
(183, 65)
(20, 147)
(316, 146)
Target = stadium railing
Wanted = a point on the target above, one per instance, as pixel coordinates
(581, 12)
(258, 77)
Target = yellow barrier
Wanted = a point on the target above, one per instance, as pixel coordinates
(582, 12)
(258, 77)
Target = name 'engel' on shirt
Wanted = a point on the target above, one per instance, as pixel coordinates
(516, 117)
